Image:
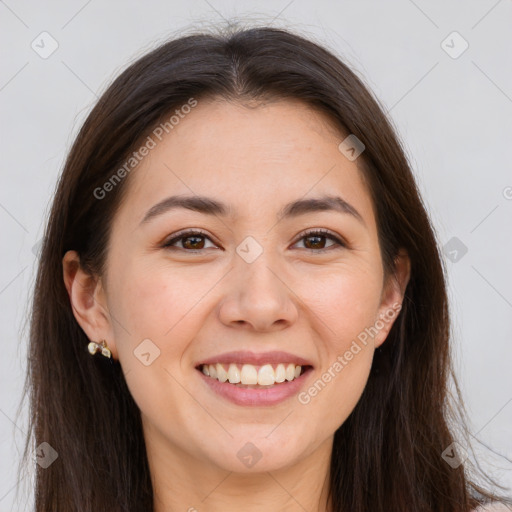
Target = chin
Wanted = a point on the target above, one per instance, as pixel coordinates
(264, 464)
(258, 454)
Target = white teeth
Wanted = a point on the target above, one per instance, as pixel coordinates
(233, 374)
(249, 374)
(280, 373)
(222, 374)
(266, 376)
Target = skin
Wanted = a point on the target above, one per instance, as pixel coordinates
(194, 306)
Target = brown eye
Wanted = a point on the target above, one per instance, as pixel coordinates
(191, 241)
(316, 240)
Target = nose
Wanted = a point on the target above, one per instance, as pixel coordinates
(258, 297)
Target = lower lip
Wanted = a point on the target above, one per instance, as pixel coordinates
(254, 396)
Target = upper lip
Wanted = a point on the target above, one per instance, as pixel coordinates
(257, 359)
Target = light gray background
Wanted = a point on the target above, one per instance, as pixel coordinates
(453, 114)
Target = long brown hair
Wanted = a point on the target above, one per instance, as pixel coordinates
(387, 454)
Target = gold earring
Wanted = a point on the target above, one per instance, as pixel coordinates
(102, 345)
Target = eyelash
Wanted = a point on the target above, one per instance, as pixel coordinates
(318, 232)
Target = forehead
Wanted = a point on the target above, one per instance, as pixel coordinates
(254, 157)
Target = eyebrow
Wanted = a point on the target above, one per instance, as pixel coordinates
(210, 206)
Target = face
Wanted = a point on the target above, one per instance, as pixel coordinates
(252, 284)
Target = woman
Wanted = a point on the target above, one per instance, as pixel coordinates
(241, 303)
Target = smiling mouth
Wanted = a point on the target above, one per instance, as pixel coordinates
(254, 376)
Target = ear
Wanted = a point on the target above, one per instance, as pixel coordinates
(88, 301)
(392, 296)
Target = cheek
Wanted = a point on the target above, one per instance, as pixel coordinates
(158, 312)
(155, 302)
(346, 301)
(336, 387)
(344, 307)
